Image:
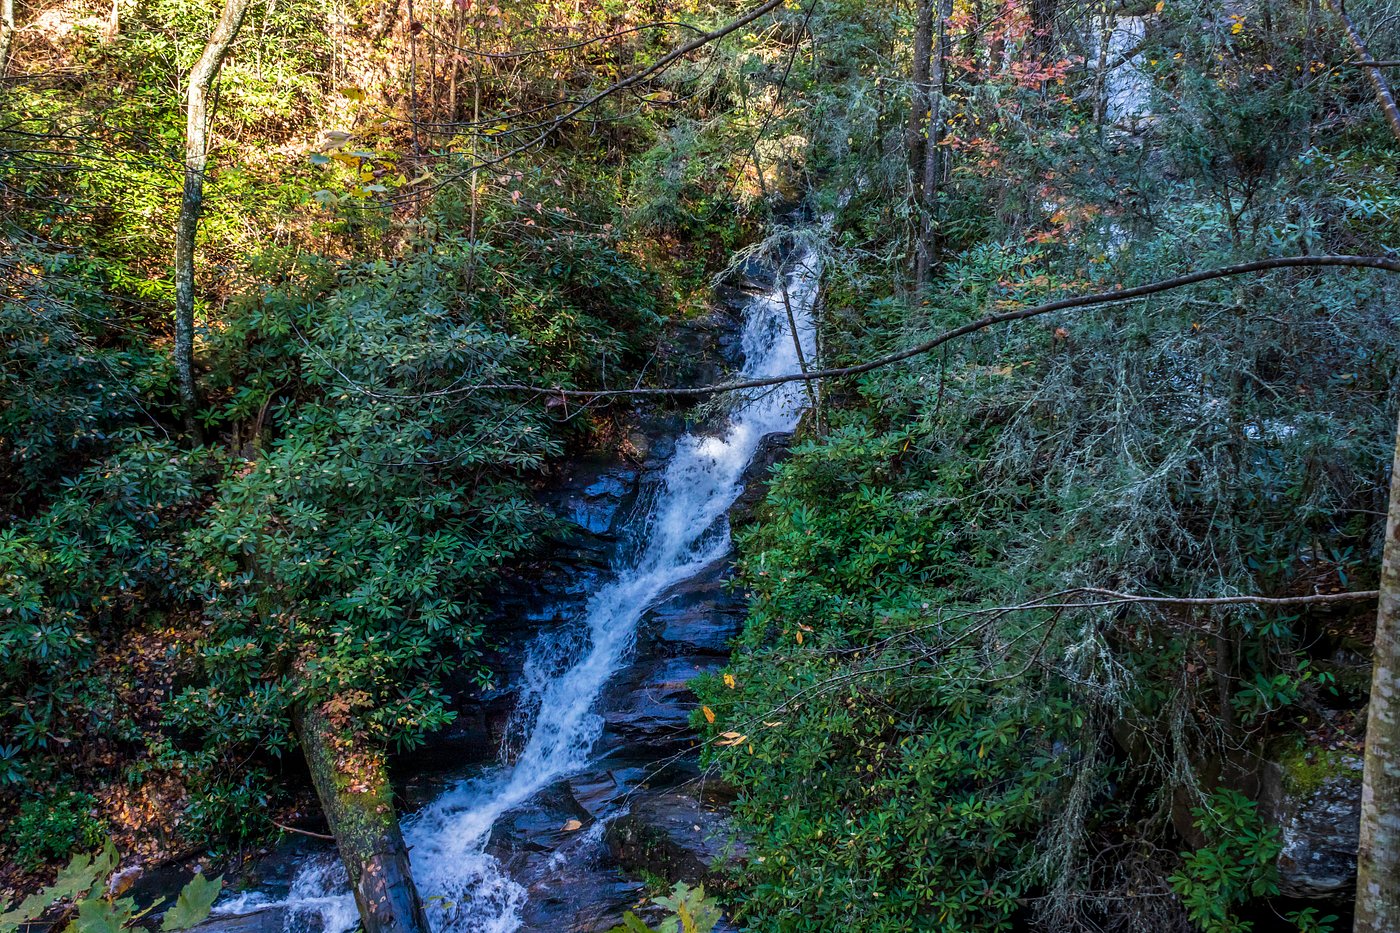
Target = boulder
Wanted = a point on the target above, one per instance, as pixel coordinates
(1314, 798)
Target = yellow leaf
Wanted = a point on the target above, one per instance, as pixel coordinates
(729, 681)
(799, 638)
(572, 826)
(1158, 7)
(709, 713)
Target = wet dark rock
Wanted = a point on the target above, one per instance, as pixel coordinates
(675, 835)
(701, 617)
(772, 450)
(1318, 813)
(597, 493)
(587, 898)
(597, 793)
(657, 711)
(540, 826)
(264, 921)
(703, 350)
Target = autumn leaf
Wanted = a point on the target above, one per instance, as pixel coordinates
(709, 713)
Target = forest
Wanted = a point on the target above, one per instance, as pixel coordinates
(673, 466)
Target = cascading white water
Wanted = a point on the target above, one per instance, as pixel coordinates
(682, 529)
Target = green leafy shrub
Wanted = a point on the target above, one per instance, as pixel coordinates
(52, 826)
(86, 568)
(1237, 863)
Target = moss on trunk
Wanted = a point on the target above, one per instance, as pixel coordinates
(353, 784)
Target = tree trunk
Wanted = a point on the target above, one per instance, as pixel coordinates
(919, 87)
(1378, 855)
(1378, 858)
(1383, 95)
(933, 152)
(1101, 71)
(202, 78)
(358, 801)
(7, 33)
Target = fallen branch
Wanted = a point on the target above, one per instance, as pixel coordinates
(991, 320)
(1116, 597)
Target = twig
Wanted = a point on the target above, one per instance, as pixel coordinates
(303, 832)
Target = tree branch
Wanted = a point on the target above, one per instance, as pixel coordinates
(1062, 304)
(659, 65)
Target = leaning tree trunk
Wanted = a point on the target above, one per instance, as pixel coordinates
(358, 801)
(1378, 858)
(201, 83)
(1383, 95)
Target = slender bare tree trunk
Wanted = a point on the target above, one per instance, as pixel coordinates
(1383, 95)
(1378, 858)
(933, 152)
(197, 117)
(7, 33)
(1102, 70)
(358, 801)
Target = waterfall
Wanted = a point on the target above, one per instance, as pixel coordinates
(680, 529)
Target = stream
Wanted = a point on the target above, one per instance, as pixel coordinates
(678, 529)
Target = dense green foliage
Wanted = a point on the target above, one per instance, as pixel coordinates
(930, 723)
(336, 534)
(939, 715)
